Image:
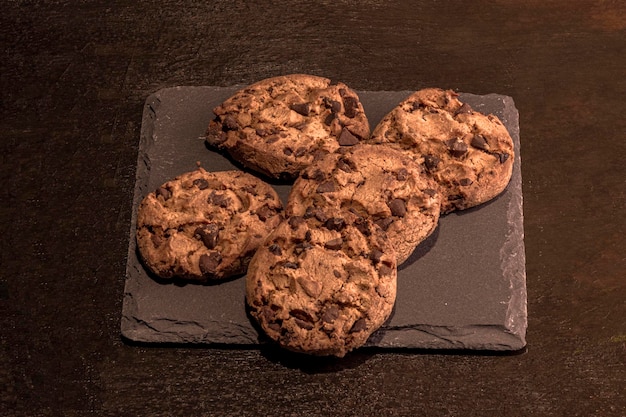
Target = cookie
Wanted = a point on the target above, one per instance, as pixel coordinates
(469, 154)
(373, 181)
(322, 285)
(205, 226)
(277, 126)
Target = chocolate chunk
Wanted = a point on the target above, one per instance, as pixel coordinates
(359, 325)
(376, 255)
(157, 240)
(301, 314)
(300, 151)
(431, 162)
(275, 249)
(304, 324)
(503, 157)
(333, 105)
(218, 200)
(264, 213)
(271, 139)
(465, 182)
(417, 105)
(336, 273)
(319, 154)
(344, 165)
(312, 288)
(335, 223)
(457, 147)
(362, 226)
(384, 223)
(287, 151)
(201, 183)
(318, 175)
(164, 192)
(229, 123)
(320, 215)
(402, 174)
(329, 119)
(291, 265)
(295, 221)
(384, 270)
(351, 106)
(430, 192)
(330, 314)
(269, 315)
(334, 244)
(301, 247)
(209, 234)
(397, 207)
(326, 187)
(300, 108)
(209, 263)
(479, 142)
(251, 189)
(464, 109)
(346, 138)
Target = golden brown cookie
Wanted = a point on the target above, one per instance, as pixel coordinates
(373, 181)
(277, 126)
(205, 225)
(322, 285)
(469, 154)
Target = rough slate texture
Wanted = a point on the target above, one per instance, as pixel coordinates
(463, 288)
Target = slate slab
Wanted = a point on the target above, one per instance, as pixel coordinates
(463, 288)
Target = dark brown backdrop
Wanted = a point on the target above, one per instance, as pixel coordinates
(74, 76)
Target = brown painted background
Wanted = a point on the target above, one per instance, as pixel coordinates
(74, 76)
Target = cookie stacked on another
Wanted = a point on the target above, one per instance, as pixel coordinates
(322, 284)
(381, 184)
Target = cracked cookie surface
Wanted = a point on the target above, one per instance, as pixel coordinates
(278, 125)
(469, 154)
(322, 285)
(204, 226)
(373, 181)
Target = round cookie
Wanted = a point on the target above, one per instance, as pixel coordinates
(205, 225)
(322, 285)
(373, 181)
(277, 126)
(468, 153)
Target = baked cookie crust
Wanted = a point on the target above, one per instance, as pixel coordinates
(204, 226)
(278, 126)
(321, 285)
(373, 181)
(468, 153)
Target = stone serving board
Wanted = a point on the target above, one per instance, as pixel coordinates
(463, 288)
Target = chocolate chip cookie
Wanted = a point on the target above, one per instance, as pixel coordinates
(469, 154)
(204, 225)
(377, 182)
(322, 285)
(277, 126)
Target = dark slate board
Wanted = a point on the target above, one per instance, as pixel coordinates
(463, 288)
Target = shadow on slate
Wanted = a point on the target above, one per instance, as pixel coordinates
(464, 289)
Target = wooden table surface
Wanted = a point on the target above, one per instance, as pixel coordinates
(74, 77)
